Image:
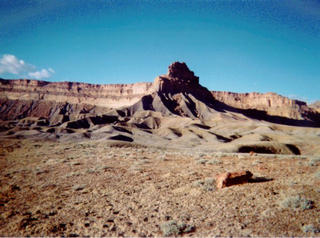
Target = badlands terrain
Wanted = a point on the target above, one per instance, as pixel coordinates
(143, 160)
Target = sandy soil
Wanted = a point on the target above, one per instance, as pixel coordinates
(98, 188)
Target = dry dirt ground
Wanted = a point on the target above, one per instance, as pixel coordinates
(94, 188)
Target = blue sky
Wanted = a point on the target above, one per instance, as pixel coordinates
(232, 45)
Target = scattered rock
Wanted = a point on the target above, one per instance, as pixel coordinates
(234, 178)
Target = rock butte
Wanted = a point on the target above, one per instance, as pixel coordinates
(167, 109)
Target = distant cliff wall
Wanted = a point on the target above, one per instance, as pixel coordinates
(272, 103)
(23, 98)
(111, 95)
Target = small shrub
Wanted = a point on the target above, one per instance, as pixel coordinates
(198, 183)
(310, 229)
(91, 171)
(208, 184)
(209, 181)
(105, 167)
(69, 175)
(214, 162)
(135, 168)
(202, 155)
(163, 157)
(317, 174)
(41, 171)
(142, 162)
(241, 156)
(314, 162)
(78, 187)
(172, 228)
(202, 161)
(256, 162)
(219, 155)
(297, 202)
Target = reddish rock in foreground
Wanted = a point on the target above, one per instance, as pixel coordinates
(234, 178)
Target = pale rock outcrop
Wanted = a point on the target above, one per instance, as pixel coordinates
(109, 95)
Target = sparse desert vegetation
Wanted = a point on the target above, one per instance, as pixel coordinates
(96, 188)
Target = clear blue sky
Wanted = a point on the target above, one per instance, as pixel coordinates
(232, 45)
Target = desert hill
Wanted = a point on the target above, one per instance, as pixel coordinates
(174, 110)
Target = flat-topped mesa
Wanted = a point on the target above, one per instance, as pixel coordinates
(178, 79)
(104, 95)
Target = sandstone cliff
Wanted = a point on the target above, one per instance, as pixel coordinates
(178, 92)
(110, 95)
(63, 101)
(271, 103)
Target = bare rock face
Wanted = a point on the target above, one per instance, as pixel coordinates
(110, 95)
(234, 178)
(58, 100)
(178, 79)
(181, 71)
(272, 103)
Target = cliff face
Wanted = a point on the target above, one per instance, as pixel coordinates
(272, 103)
(56, 100)
(111, 95)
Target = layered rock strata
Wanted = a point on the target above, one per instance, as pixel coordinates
(272, 103)
(178, 90)
(109, 95)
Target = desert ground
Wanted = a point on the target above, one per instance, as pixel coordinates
(104, 188)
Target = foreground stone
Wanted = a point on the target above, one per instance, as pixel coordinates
(233, 178)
